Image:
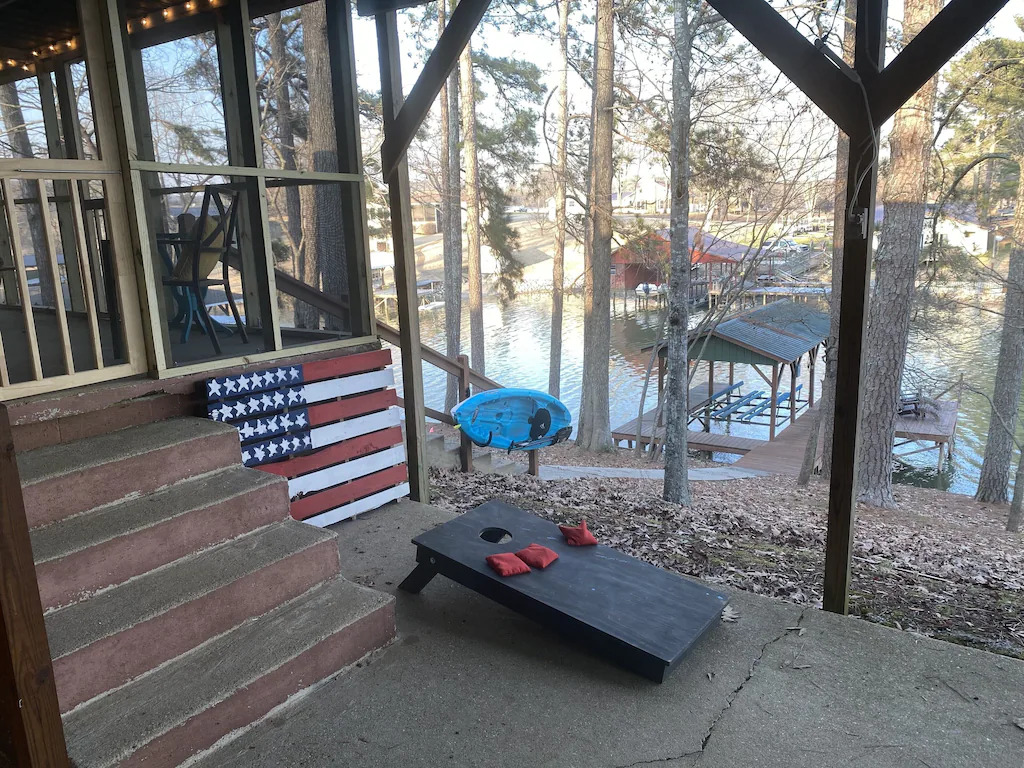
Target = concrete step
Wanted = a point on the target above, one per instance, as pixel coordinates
(440, 454)
(103, 642)
(60, 481)
(507, 467)
(76, 556)
(184, 707)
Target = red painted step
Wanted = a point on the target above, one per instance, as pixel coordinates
(60, 481)
(79, 555)
(103, 642)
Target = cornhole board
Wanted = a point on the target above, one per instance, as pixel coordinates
(639, 616)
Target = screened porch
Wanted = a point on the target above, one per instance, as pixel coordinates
(181, 186)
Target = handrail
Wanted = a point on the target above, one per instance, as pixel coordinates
(317, 298)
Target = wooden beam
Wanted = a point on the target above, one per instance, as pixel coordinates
(405, 262)
(952, 28)
(31, 734)
(774, 402)
(811, 71)
(245, 148)
(341, 44)
(465, 446)
(375, 7)
(861, 180)
(442, 60)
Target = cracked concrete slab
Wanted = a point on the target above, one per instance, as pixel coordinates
(470, 683)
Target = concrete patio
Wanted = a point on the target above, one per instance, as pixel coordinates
(469, 683)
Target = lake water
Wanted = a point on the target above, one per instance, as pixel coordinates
(517, 339)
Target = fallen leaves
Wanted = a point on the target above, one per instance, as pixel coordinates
(730, 614)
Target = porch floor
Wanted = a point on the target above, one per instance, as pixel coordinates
(470, 683)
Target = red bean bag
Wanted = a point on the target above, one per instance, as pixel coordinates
(579, 536)
(537, 556)
(507, 564)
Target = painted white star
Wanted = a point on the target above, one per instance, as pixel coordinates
(306, 440)
(281, 374)
(293, 396)
(300, 420)
(230, 386)
(268, 402)
(246, 456)
(257, 381)
(261, 427)
(213, 388)
(296, 443)
(259, 453)
(286, 422)
(294, 373)
(272, 424)
(247, 430)
(272, 449)
(223, 413)
(278, 399)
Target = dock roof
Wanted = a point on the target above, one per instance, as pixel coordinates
(780, 332)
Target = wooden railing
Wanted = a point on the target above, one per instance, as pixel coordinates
(31, 734)
(468, 378)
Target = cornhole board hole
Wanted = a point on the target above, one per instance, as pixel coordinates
(637, 615)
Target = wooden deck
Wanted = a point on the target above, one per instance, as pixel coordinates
(784, 454)
(696, 441)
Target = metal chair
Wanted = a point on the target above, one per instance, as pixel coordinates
(198, 252)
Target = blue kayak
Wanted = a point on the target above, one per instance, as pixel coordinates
(513, 419)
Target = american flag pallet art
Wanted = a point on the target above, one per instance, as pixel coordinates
(331, 427)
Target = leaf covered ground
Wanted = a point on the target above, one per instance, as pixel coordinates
(940, 566)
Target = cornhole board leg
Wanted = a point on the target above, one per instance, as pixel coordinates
(418, 579)
(639, 616)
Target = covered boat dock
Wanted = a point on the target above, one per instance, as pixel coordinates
(769, 339)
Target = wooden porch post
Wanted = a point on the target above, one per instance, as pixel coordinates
(30, 725)
(405, 262)
(353, 196)
(245, 148)
(465, 444)
(856, 278)
(775, 402)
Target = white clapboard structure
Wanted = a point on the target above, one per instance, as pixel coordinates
(332, 427)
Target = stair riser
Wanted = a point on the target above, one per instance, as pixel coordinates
(67, 580)
(248, 705)
(115, 660)
(55, 498)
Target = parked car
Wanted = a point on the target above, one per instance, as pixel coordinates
(786, 245)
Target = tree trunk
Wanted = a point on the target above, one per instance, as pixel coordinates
(677, 481)
(899, 252)
(828, 387)
(451, 222)
(323, 226)
(595, 429)
(558, 265)
(285, 132)
(471, 193)
(17, 139)
(995, 467)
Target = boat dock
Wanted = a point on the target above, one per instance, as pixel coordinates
(785, 454)
(696, 441)
(699, 400)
